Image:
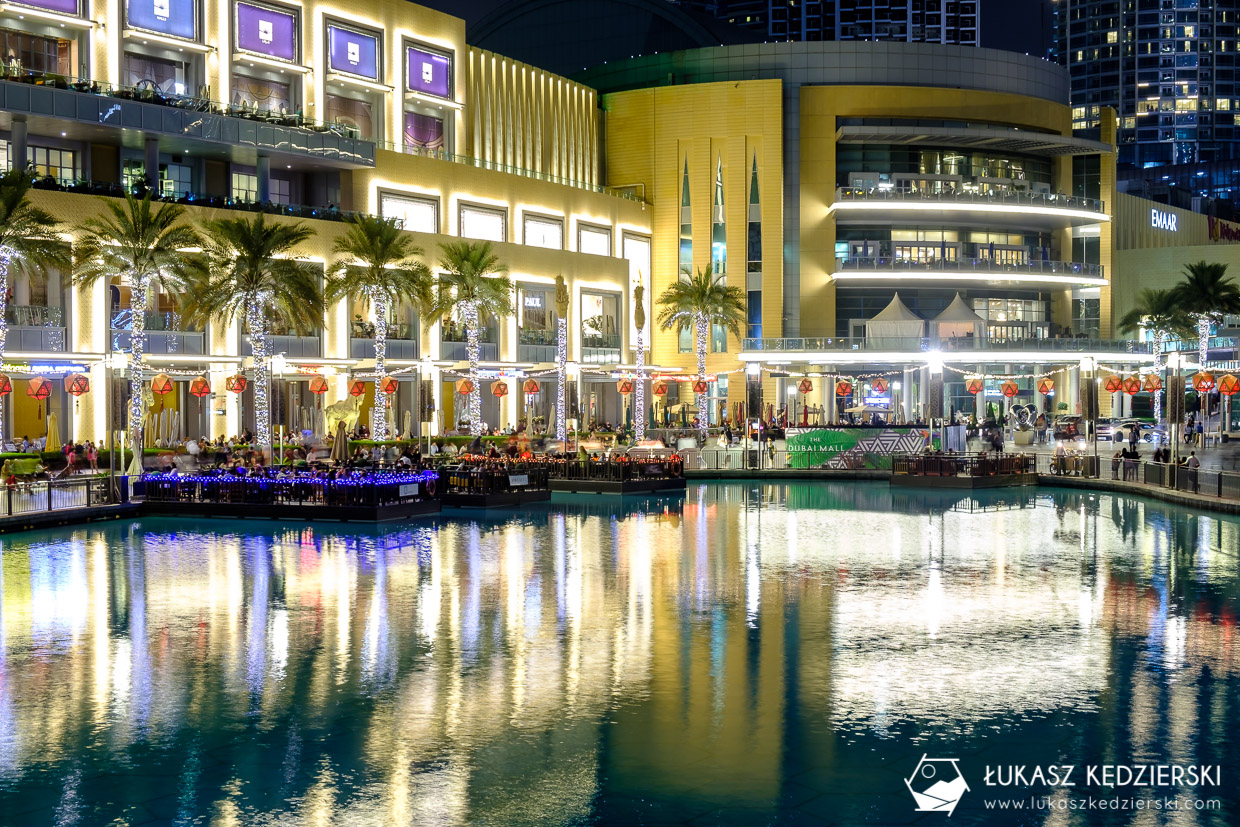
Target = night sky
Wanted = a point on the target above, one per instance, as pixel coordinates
(1016, 25)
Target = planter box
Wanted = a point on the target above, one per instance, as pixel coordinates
(1024, 437)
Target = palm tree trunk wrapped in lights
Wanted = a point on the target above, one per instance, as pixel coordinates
(28, 244)
(1158, 366)
(639, 397)
(139, 288)
(378, 413)
(561, 360)
(696, 301)
(469, 315)
(1161, 313)
(256, 323)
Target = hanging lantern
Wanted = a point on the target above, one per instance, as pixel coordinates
(659, 388)
(6, 384)
(1113, 384)
(389, 384)
(1152, 382)
(1132, 385)
(530, 386)
(357, 387)
(975, 386)
(1010, 388)
(805, 386)
(318, 384)
(199, 386)
(625, 386)
(843, 388)
(879, 385)
(161, 384)
(700, 385)
(465, 386)
(77, 384)
(236, 383)
(39, 388)
(499, 389)
(1046, 385)
(1228, 385)
(1203, 382)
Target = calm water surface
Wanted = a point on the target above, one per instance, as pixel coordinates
(778, 654)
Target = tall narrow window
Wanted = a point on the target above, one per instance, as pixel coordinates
(718, 253)
(753, 274)
(685, 341)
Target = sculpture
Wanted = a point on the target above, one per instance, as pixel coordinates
(346, 411)
(561, 297)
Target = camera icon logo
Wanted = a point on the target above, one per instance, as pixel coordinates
(937, 785)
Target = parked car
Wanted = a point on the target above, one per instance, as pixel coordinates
(1069, 427)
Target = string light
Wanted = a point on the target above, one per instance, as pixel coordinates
(139, 284)
(469, 313)
(639, 398)
(561, 371)
(378, 413)
(256, 321)
(6, 256)
(703, 423)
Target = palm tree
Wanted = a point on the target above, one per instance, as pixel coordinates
(28, 244)
(247, 272)
(1208, 294)
(473, 285)
(1159, 312)
(380, 263)
(695, 302)
(147, 246)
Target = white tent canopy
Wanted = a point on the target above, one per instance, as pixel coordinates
(894, 326)
(957, 321)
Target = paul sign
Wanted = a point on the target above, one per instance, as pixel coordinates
(1160, 220)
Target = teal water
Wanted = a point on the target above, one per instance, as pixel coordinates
(775, 654)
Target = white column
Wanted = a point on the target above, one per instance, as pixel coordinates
(906, 393)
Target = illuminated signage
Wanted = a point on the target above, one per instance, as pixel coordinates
(266, 31)
(877, 401)
(69, 7)
(1160, 220)
(175, 18)
(533, 301)
(44, 370)
(1223, 230)
(428, 72)
(352, 52)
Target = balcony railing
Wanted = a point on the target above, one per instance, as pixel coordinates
(914, 344)
(1015, 199)
(1029, 269)
(35, 339)
(294, 347)
(366, 330)
(162, 342)
(24, 315)
(396, 348)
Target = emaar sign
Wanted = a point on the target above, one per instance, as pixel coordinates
(1160, 220)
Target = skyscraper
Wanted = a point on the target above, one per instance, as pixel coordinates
(925, 21)
(1166, 66)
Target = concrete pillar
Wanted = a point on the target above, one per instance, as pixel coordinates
(832, 403)
(906, 393)
(21, 290)
(264, 179)
(17, 136)
(1039, 401)
(923, 386)
(151, 162)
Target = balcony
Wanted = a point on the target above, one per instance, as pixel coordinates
(536, 345)
(402, 341)
(600, 349)
(854, 350)
(35, 329)
(455, 351)
(55, 104)
(161, 336)
(898, 270)
(293, 347)
(1019, 210)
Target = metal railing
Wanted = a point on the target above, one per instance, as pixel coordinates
(1018, 199)
(354, 490)
(1179, 477)
(625, 470)
(913, 344)
(979, 264)
(25, 315)
(39, 496)
(494, 478)
(954, 465)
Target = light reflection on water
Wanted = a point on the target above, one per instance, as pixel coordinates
(751, 654)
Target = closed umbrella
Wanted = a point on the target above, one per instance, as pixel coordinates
(53, 433)
(408, 429)
(340, 447)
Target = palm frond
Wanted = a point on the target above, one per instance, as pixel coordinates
(133, 239)
(701, 294)
(26, 231)
(377, 258)
(472, 272)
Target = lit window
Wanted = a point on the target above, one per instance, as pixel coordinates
(1112, 36)
(593, 240)
(544, 232)
(418, 214)
(480, 223)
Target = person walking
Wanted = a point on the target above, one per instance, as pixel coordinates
(1193, 474)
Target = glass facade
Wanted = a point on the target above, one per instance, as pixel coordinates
(684, 342)
(718, 252)
(753, 269)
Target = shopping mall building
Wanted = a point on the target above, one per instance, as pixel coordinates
(823, 178)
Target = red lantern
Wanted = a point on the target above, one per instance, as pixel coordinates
(530, 386)
(975, 386)
(805, 386)
(318, 384)
(843, 388)
(700, 386)
(389, 384)
(499, 389)
(199, 386)
(357, 387)
(879, 385)
(659, 388)
(1113, 384)
(1203, 382)
(236, 383)
(77, 384)
(625, 386)
(1132, 385)
(1228, 385)
(1152, 382)
(1009, 388)
(464, 387)
(1046, 385)
(39, 388)
(161, 384)
(6, 384)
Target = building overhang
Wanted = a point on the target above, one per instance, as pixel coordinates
(949, 277)
(996, 214)
(921, 357)
(981, 137)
